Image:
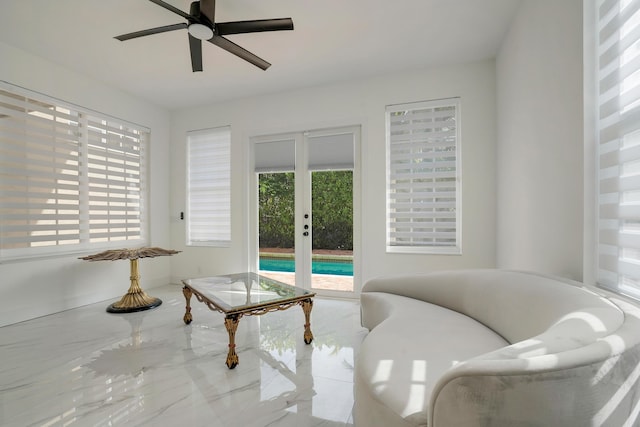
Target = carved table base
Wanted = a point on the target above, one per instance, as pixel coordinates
(135, 299)
(231, 323)
(307, 305)
(232, 319)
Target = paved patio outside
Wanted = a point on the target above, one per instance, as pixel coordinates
(318, 281)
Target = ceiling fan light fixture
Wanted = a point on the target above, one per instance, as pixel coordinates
(200, 31)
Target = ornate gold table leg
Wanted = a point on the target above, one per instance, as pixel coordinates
(231, 323)
(307, 305)
(135, 299)
(187, 295)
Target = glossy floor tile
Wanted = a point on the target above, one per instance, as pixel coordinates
(87, 367)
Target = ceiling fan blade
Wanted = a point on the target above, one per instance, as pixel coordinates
(195, 46)
(150, 31)
(240, 52)
(255, 26)
(208, 9)
(171, 8)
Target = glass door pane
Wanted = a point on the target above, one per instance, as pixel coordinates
(332, 244)
(276, 225)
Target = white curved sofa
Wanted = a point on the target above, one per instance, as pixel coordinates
(495, 348)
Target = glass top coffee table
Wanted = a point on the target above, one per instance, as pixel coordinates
(245, 294)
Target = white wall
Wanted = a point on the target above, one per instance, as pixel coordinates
(590, 261)
(540, 148)
(351, 103)
(35, 288)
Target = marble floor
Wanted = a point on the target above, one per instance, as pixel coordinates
(87, 367)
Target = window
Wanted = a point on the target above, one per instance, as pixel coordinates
(618, 145)
(209, 187)
(70, 179)
(423, 177)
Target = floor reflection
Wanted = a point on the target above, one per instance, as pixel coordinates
(134, 357)
(88, 367)
(278, 379)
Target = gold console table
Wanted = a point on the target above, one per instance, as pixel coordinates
(135, 299)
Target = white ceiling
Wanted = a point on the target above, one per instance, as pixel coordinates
(333, 40)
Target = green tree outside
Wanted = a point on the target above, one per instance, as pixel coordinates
(332, 210)
(276, 210)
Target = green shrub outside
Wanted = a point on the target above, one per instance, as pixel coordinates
(332, 210)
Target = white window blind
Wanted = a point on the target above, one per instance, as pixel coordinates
(70, 179)
(330, 151)
(116, 173)
(275, 156)
(209, 187)
(423, 177)
(618, 155)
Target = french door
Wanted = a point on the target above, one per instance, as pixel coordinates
(304, 189)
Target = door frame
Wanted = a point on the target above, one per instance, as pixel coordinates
(303, 249)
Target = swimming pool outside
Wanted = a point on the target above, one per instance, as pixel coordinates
(318, 266)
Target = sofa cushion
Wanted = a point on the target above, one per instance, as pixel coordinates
(412, 345)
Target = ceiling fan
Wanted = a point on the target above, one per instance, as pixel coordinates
(202, 26)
